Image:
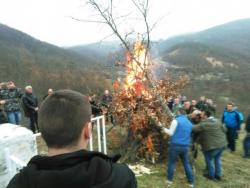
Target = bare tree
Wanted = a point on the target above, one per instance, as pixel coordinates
(160, 91)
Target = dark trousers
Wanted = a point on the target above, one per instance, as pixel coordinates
(231, 137)
(246, 146)
(33, 123)
(176, 151)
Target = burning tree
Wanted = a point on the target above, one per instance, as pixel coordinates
(139, 107)
(140, 100)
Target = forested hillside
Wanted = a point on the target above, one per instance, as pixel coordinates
(217, 61)
(26, 60)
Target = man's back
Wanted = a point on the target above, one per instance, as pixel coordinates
(212, 134)
(77, 170)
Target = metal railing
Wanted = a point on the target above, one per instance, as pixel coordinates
(99, 121)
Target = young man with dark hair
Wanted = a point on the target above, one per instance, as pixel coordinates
(65, 124)
(212, 136)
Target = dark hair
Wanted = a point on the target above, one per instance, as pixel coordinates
(208, 113)
(62, 117)
(181, 111)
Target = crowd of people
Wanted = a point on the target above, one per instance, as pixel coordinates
(194, 123)
(13, 100)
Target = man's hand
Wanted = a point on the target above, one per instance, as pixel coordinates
(2, 102)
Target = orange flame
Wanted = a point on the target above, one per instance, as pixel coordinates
(137, 64)
(150, 145)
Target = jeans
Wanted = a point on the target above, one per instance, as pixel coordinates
(246, 146)
(213, 162)
(14, 117)
(231, 137)
(182, 152)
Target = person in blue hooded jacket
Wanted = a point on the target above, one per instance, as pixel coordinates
(231, 120)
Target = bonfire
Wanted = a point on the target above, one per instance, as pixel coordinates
(139, 102)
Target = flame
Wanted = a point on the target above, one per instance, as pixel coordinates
(150, 145)
(137, 64)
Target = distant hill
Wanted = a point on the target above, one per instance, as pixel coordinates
(26, 60)
(103, 52)
(217, 61)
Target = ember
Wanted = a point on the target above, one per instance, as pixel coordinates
(138, 106)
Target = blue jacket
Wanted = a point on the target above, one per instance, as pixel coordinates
(183, 131)
(231, 119)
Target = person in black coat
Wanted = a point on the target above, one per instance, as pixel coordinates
(65, 124)
(30, 108)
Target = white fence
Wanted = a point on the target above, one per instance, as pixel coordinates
(99, 123)
(14, 164)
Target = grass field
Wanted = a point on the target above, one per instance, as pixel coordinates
(235, 172)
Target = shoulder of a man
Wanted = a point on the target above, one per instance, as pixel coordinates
(15, 182)
(122, 176)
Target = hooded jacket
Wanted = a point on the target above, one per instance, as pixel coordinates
(81, 169)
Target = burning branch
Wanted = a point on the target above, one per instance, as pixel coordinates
(141, 100)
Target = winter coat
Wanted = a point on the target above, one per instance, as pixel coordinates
(212, 134)
(106, 100)
(81, 169)
(12, 98)
(248, 124)
(29, 103)
(231, 119)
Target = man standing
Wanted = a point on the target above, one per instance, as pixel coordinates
(232, 121)
(11, 100)
(50, 91)
(246, 141)
(180, 132)
(212, 136)
(30, 108)
(65, 124)
(106, 102)
(106, 99)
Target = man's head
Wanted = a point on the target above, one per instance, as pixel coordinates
(11, 85)
(176, 100)
(64, 120)
(106, 92)
(187, 105)
(183, 98)
(50, 91)
(205, 114)
(202, 98)
(28, 89)
(194, 102)
(181, 111)
(230, 107)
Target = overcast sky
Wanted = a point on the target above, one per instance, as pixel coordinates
(50, 20)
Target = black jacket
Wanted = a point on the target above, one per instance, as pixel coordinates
(29, 103)
(248, 124)
(81, 169)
